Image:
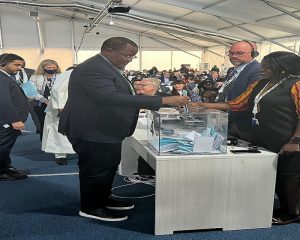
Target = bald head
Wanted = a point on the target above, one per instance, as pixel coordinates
(240, 52)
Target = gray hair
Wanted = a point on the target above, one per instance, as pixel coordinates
(155, 81)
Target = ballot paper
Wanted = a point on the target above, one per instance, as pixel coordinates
(191, 136)
(203, 143)
(168, 147)
(218, 140)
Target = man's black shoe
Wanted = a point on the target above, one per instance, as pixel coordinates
(61, 161)
(12, 169)
(118, 205)
(12, 176)
(103, 215)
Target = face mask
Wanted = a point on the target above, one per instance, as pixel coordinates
(52, 71)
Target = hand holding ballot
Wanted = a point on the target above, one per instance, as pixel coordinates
(196, 105)
(176, 100)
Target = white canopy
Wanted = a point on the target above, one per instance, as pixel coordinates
(189, 25)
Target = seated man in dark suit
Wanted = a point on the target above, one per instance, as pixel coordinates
(166, 78)
(13, 114)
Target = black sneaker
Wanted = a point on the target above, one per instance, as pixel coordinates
(103, 215)
(118, 205)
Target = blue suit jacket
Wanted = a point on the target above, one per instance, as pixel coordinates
(250, 74)
(100, 107)
(13, 102)
(240, 123)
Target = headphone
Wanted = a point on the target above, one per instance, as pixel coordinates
(254, 53)
(232, 141)
(2, 63)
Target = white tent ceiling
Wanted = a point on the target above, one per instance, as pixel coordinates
(193, 23)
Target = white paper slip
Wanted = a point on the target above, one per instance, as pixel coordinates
(168, 147)
(191, 135)
(203, 144)
(6, 126)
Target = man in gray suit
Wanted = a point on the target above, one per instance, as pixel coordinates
(101, 110)
(13, 113)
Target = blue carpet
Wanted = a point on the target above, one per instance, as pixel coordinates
(46, 207)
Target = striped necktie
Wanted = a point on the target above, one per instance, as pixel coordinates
(222, 97)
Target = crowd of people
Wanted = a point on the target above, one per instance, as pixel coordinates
(262, 99)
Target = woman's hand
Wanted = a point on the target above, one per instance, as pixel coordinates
(290, 147)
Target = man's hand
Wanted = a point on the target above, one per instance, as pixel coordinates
(193, 105)
(18, 125)
(176, 100)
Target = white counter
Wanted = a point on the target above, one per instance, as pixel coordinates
(228, 191)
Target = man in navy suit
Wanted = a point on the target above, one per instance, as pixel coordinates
(246, 70)
(101, 110)
(13, 113)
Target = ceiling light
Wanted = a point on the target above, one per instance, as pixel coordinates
(111, 22)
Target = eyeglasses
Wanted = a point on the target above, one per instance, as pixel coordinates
(236, 53)
(143, 84)
(128, 57)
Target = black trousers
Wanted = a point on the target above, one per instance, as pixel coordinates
(98, 164)
(288, 182)
(8, 137)
(40, 113)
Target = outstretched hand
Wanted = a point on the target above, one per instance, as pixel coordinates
(176, 100)
(192, 105)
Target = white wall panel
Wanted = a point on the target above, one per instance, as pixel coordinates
(18, 29)
(57, 33)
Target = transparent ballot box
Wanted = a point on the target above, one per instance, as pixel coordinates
(203, 131)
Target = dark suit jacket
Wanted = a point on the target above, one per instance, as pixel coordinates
(13, 102)
(171, 78)
(240, 123)
(100, 107)
(29, 72)
(250, 74)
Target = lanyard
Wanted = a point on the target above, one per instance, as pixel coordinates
(48, 83)
(234, 75)
(259, 96)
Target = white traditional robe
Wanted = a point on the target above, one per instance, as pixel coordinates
(53, 141)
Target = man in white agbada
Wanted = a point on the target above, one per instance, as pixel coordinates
(53, 141)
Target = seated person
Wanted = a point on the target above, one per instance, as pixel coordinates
(148, 86)
(179, 89)
(151, 87)
(166, 78)
(208, 90)
(191, 85)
